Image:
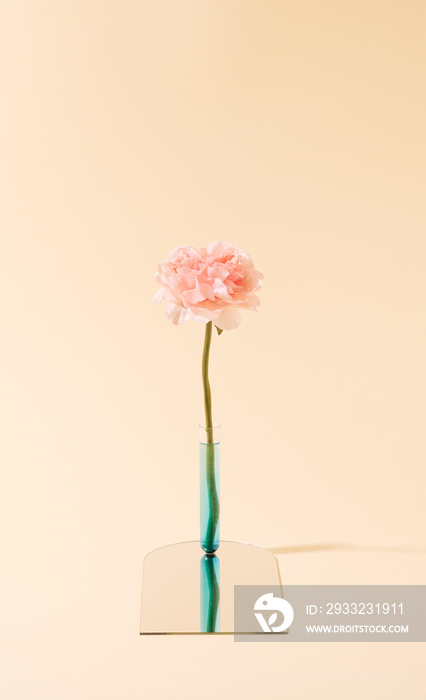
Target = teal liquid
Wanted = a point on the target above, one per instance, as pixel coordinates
(209, 593)
(209, 496)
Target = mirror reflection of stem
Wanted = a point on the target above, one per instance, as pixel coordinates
(213, 497)
(214, 593)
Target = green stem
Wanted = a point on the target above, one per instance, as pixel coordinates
(206, 383)
(213, 497)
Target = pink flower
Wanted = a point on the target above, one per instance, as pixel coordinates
(210, 284)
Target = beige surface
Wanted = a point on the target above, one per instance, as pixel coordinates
(295, 130)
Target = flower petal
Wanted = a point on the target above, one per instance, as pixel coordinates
(192, 296)
(176, 314)
(158, 296)
(228, 319)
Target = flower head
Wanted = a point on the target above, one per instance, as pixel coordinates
(209, 284)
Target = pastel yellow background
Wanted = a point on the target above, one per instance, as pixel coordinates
(295, 130)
